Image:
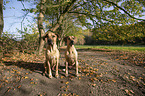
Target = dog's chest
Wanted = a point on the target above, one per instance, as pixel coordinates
(71, 54)
(52, 54)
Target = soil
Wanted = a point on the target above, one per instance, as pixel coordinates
(102, 72)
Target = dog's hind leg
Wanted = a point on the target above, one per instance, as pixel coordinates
(77, 65)
(56, 74)
(50, 73)
(66, 69)
(45, 68)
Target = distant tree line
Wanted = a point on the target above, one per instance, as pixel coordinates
(71, 17)
(120, 35)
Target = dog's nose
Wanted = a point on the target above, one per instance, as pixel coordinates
(49, 41)
(72, 42)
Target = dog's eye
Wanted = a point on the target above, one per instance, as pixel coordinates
(53, 36)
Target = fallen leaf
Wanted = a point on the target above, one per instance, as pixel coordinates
(91, 73)
(93, 85)
(79, 67)
(114, 80)
(67, 86)
(126, 91)
(26, 77)
(140, 78)
(131, 91)
(95, 79)
(62, 77)
(66, 82)
(6, 81)
(74, 94)
(32, 82)
(66, 90)
(82, 74)
(92, 80)
(19, 86)
(64, 94)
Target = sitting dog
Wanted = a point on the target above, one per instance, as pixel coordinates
(70, 54)
(52, 54)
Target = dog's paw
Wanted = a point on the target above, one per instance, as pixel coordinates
(66, 75)
(63, 70)
(56, 76)
(50, 76)
(45, 73)
(77, 75)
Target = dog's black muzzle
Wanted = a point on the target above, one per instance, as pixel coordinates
(49, 41)
(71, 42)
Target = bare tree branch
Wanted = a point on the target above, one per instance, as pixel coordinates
(58, 5)
(66, 10)
(23, 16)
(88, 14)
(1, 17)
(123, 10)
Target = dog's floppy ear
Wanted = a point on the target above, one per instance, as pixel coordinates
(65, 38)
(74, 37)
(58, 36)
(45, 36)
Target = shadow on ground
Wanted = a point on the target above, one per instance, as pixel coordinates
(26, 65)
(37, 67)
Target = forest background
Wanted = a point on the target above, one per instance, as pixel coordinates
(92, 22)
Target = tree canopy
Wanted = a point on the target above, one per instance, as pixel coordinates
(133, 33)
(91, 13)
(109, 20)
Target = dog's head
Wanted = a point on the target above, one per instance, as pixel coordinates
(50, 38)
(69, 40)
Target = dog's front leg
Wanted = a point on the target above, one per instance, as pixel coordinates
(56, 75)
(49, 66)
(66, 69)
(45, 68)
(77, 65)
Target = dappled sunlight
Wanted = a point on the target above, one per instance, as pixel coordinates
(108, 35)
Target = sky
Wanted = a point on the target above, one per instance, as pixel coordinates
(13, 16)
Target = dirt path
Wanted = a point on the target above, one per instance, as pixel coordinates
(101, 75)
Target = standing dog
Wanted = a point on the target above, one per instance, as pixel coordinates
(52, 54)
(70, 54)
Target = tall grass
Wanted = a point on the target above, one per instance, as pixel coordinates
(124, 48)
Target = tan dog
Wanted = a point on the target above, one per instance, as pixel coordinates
(71, 54)
(52, 54)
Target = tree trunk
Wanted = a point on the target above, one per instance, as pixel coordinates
(55, 27)
(40, 25)
(1, 17)
(60, 19)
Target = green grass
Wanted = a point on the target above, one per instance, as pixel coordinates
(124, 48)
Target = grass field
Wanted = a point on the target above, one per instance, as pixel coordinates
(124, 48)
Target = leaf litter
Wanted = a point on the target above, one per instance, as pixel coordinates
(95, 69)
